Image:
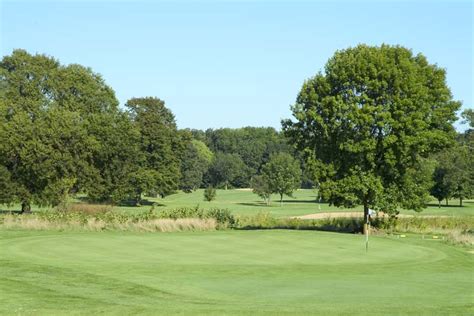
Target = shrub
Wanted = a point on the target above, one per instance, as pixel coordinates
(261, 220)
(87, 208)
(182, 212)
(210, 194)
(222, 216)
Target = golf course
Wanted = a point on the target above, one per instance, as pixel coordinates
(236, 158)
(231, 273)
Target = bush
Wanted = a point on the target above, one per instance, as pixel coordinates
(86, 208)
(261, 220)
(182, 212)
(222, 216)
(210, 194)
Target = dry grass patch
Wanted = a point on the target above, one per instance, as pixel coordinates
(33, 222)
(91, 209)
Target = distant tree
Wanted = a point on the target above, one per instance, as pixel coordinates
(160, 144)
(210, 194)
(457, 164)
(461, 177)
(253, 145)
(440, 189)
(194, 164)
(367, 123)
(228, 169)
(261, 187)
(282, 174)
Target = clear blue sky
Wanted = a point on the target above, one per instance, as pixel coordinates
(233, 64)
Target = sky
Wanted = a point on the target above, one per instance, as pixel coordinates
(233, 63)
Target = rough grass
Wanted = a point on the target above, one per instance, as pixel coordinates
(34, 222)
(458, 230)
(85, 208)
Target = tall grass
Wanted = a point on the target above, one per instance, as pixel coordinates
(101, 217)
(458, 230)
(87, 208)
(35, 222)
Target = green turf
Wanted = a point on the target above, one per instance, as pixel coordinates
(244, 202)
(230, 273)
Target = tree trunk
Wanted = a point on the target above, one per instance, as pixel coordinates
(226, 185)
(138, 197)
(460, 201)
(281, 199)
(439, 203)
(25, 207)
(447, 202)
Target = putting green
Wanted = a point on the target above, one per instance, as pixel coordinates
(230, 272)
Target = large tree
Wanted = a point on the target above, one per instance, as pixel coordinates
(160, 145)
(367, 123)
(54, 121)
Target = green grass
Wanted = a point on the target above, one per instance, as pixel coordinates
(231, 273)
(244, 202)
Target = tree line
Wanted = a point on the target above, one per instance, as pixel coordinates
(62, 131)
(375, 128)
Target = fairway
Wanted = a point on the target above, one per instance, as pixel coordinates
(244, 202)
(231, 272)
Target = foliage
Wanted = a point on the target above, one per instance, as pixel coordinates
(182, 212)
(194, 164)
(253, 144)
(160, 144)
(468, 116)
(86, 208)
(261, 187)
(56, 125)
(282, 174)
(210, 194)
(368, 122)
(228, 170)
(222, 216)
(454, 174)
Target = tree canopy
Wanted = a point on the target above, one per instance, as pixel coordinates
(160, 145)
(368, 122)
(282, 175)
(54, 121)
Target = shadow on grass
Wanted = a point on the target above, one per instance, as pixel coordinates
(443, 205)
(324, 228)
(124, 203)
(131, 203)
(337, 225)
(277, 203)
(255, 204)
